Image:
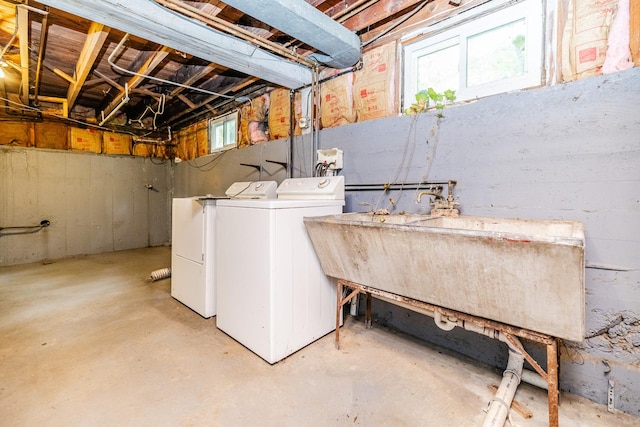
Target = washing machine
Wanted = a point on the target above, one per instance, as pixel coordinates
(272, 295)
(193, 244)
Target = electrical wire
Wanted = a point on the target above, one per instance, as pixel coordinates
(405, 164)
(241, 191)
(69, 119)
(213, 162)
(397, 23)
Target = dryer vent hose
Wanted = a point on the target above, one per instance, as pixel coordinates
(163, 273)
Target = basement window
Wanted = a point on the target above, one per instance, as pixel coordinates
(483, 54)
(223, 132)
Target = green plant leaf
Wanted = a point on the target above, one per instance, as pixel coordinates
(435, 95)
(422, 96)
(450, 95)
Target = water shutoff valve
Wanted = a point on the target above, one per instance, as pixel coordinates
(332, 158)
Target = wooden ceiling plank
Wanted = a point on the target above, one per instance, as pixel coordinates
(96, 37)
(23, 35)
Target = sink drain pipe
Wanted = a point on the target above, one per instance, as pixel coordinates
(499, 407)
(498, 410)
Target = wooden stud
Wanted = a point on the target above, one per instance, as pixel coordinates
(634, 30)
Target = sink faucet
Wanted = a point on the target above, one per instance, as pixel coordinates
(435, 193)
(442, 206)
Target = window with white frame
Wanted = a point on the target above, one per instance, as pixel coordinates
(494, 52)
(223, 132)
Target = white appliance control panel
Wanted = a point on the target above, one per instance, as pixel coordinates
(315, 188)
(252, 190)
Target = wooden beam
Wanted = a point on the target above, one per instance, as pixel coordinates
(109, 80)
(377, 12)
(23, 35)
(64, 75)
(96, 37)
(434, 11)
(187, 101)
(146, 68)
(62, 101)
(211, 98)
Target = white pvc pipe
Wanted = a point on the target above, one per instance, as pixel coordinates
(500, 404)
(443, 323)
(512, 376)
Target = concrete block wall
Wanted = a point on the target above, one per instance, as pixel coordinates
(95, 203)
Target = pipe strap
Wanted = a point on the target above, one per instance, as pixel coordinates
(500, 401)
(514, 373)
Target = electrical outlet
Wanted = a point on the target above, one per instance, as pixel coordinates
(303, 122)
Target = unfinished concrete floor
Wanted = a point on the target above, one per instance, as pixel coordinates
(87, 342)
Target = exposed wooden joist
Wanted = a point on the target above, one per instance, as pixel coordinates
(64, 106)
(136, 80)
(159, 25)
(186, 101)
(41, 50)
(212, 98)
(23, 35)
(96, 37)
(372, 14)
(434, 11)
(65, 76)
(103, 78)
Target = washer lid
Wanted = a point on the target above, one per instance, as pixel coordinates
(273, 204)
(315, 188)
(252, 190)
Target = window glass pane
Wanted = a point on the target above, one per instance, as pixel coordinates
(218, 135)
(439, 69)
(230, 132)
(496, 54)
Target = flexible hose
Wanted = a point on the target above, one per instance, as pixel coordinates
(160, 274)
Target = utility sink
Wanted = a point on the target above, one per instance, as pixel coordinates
(522, 272)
